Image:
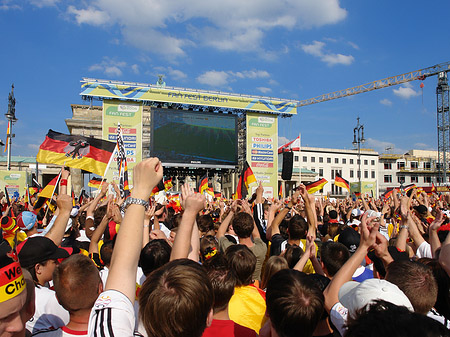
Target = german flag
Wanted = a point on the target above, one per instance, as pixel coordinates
(33, 190)
(95, 182)
(159, 187)
(247, 177)
(316, 185)
(49, 190)
(433, 188)
(8, 134)
(203, 185)
(341, 182)
(85, 153)
(387, 194)
(168, 184)
(409, 187)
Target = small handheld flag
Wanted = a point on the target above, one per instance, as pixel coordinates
(247, 177)
(341, 182)
(316, 185)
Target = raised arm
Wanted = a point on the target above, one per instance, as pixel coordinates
(275, 228)
(310, 210)
(97, 234)
(56, 232)
(226, 222)
(124, 261)
(368, 237)
(193, 203)
(432, 232)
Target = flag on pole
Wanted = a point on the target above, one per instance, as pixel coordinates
(203, 185)
(80, 152)
(409, 187)
(80, 198)
(95, 182)
(316, 185)
(247, 177)
(47, 192)
(159, 187)
(122, 165)
(341, 182)
(8, 134)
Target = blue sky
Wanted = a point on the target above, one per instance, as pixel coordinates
(294, 49)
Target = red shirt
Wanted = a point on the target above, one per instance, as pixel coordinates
(227, 328)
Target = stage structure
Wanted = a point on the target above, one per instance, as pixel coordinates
(192, 131)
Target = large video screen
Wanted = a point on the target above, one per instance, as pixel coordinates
(195, 138)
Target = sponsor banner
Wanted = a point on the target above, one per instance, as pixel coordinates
(14, 181)
(183, 96)
(367, 188)
(129, 115)
(262, 138)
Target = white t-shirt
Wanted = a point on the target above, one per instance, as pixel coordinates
(112, 315)
(61, 332)
(338, 316)
(424, 250)
(49, 314)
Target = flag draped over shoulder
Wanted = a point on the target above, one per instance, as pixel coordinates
(203, 185)
(341, 182)
(316, 185)
(85, 153)
(122, 165)
(247, 177)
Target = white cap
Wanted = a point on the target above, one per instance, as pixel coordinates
(357, 212)
(371, 213)
(355, 296)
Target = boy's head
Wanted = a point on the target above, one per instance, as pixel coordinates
(242, 263)
(297, 228)
(77, 283)
(176, 300)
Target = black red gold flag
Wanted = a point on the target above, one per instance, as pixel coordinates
(316, 185)
(80, 152)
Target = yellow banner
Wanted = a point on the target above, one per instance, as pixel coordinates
(262, 151)
(129, 115)
(187, 96)
(12, 282)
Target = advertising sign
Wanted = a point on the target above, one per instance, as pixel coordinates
(262, 155)
(14, 181)
(188, 96)
(129, 115)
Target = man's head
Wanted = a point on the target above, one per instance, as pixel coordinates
(333, 214)
(39, 256)
(176, 300)
(77, 283)
(333, 256)
(416, 281)
(242, 263)
(350, 239)
(297, 228)
(243, 224)
(26, 220)
(294, 303)
(205, 225)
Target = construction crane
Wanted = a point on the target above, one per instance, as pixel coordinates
(443, 103)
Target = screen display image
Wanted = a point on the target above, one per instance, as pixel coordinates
(187, 137)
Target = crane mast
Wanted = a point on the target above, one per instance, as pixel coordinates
(443, 103)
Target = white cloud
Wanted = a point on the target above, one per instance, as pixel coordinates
(221, 78)
(214, 78)
(282, 140)
(109, 67)
(89, 16)
(6, 5)
(135, 68)
(406, 91)
(33, 146)
(317, 49)
(44, 3)
(382, 146)
(353, 45)
(386, 102)
(177, 74)
(226, 25)
(423, 146)
(264, 90)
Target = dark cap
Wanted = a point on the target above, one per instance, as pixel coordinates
(421, 209)
(39, 249)
(350, 239)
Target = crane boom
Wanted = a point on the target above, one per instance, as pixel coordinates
(384, 83)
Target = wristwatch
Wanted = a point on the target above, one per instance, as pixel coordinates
(135, 201)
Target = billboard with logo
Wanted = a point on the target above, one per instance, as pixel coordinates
(129, 115)
(14, 181)
(262, 145)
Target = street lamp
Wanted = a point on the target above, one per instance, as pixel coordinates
(358, 139)
(11, 117)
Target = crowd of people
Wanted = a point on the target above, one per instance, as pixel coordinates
(298, 266)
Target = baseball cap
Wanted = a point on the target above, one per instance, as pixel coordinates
(350, 239)
(357, 212)
(26, 220)
(355, 296)
(39, 249)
